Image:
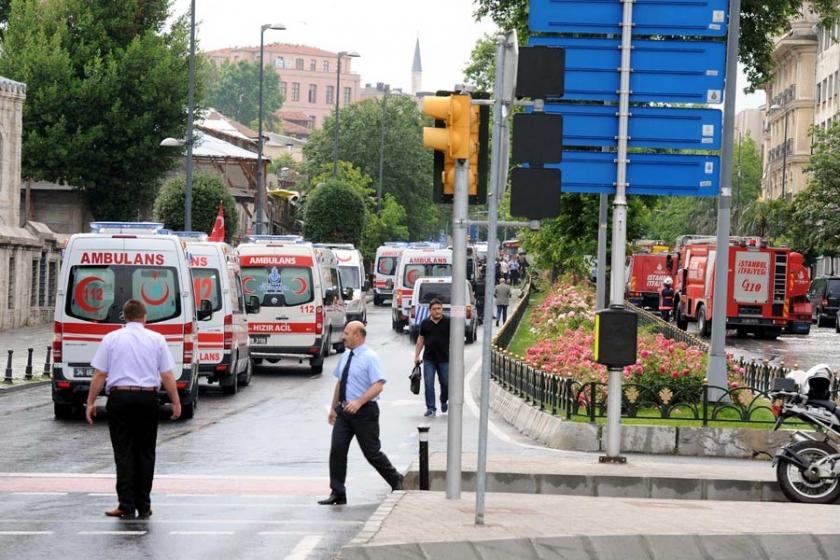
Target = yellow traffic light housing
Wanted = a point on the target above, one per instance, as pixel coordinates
(455, 112)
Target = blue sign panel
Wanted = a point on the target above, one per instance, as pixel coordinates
(697, 18)
(667, 71)
(647, 174)
(650, 127)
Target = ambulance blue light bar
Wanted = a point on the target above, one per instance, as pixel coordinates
(196, 235)
(126, 227)
(275, 239)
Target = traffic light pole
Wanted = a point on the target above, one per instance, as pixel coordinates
(456, 330)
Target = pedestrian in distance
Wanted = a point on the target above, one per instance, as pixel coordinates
(355, 413)
(434, 343)
(132, 363)
(502, 295)
(666, 300)
(514, 272)
(504, 268)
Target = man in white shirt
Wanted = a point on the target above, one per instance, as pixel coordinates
(132, 363)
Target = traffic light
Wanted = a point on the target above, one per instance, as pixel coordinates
(454, 111)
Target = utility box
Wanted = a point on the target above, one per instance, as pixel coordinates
(616, 337)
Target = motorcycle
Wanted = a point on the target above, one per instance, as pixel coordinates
(808, 468)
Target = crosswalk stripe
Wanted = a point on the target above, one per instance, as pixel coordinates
(304, 547)
(111, 533)
(20, 533)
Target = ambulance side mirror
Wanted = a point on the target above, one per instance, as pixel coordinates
(205, 310)
(329, 296)
(252, 305)
(347, 294)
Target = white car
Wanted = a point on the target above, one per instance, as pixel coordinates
(427, 289)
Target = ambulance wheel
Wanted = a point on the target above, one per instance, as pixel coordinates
(339, 347)
(377, 301)
(326, 350)
(316, 365)
(395, 325)
(63, 411)
(245, 377)
(188, 410)
(230, 386)
(703, 324)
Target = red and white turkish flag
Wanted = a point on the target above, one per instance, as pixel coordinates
(218, 233)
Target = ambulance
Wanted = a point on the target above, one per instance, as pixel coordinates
(223, 336)
(385, 270)
(295, 304)
(416, 263)
(351, 271)
(119, 261)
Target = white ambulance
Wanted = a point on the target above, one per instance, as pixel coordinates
(119, 261)
(416, 263)
(351, 270)
(385, 271)
(293, 293)
(223, 336)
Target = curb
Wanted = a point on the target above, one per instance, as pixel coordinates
(23, 386)
(374, 523)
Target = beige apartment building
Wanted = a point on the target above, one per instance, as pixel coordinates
(827, 97)
(790, 110)
(307, 77)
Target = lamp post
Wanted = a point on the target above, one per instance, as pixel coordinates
(190, 117)
(260, 203)
(348, 54)
(784, 148)
(381, 151)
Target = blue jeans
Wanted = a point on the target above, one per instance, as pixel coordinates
(442, 369)
(501, 313)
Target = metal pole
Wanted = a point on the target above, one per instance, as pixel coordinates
(423, 436)
(27, 373)
(601, 280)
(261, 198)
(736, 212)
(456, 331)
(500, 134)
(619, 230)
(716, 373)
(190, 116)
(381, 152)
(784, 155)
(47, 363)
(335, 142)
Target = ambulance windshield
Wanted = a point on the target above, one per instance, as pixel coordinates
(278, 286)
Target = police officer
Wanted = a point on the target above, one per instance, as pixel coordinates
(666, 300)
(131, 363)
(354, 412)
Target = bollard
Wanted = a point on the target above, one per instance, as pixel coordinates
(423, 433)
(47, 363)
(28, 371)
(9, 368)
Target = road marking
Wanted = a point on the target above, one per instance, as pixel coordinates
(39, 493)
(304, 547)
(192, 521)
(279, 533)
(16, 533)
(162, 476)
(111, 533)
(203, 533)
(102, 494)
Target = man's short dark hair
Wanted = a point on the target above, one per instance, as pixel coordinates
(435, 301)
(134, 310)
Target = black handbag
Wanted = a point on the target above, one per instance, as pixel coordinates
(414, 379)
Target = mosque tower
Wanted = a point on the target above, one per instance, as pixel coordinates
(416, 70)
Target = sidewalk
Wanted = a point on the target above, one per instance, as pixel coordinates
(38, 338)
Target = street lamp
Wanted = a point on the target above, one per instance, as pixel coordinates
(784, 148)
(348, 54)
(177, 143)
(259, 206)
(381, 151)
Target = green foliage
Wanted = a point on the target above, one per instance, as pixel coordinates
(387, 225)
(334, 213)
(281, 161)
(207, 191)
(761, 22)
(351, 176)
(481, 68)
(105, 84)
(407, 169)
(233, 90)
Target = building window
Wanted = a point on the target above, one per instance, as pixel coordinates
(313, 65)
(10, 304)
(295, 91)
(326, 66)
(33, 284)
(42, 281)
(330, 94)
(283, 89)
(298, 64)
(347, 91)
(279, 62)
(312, 121)
(312, 96)
(53, 276)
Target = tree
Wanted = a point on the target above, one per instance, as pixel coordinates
(233, 89)
(407, 169)
(334, 213)
(387, 225)
(207, 191)
(481, 68)
(105, 84)
(761, 22)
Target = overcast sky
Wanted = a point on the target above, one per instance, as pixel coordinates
(383, 32)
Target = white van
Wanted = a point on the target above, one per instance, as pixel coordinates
(428, 289)
(351, 270)
(223, 336)
(385, 271)
(415, 264)
(101, 271)
(293, 294)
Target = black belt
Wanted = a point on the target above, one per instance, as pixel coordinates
(134, 388)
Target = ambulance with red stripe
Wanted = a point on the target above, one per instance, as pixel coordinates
(416, 263)
(351, 272)
(223, 336)
(385, 271)
(293, 291)
(100, 272)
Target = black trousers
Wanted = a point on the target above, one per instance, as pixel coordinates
(133, 423)
(365, 426)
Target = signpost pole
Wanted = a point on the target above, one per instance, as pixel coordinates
(716, 373)
(619, 232)
(601, 280)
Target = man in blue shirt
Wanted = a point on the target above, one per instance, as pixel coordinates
(354, 412)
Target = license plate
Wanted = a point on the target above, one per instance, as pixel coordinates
(83, 372)
(749, 321)
(259, 339)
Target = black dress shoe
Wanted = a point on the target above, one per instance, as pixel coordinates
(334, 500)
(122, 514)
(399, 484)
(144, 514)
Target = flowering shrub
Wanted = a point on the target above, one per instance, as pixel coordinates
(567, 307)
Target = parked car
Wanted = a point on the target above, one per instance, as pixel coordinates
(824, 296)
(427, 289)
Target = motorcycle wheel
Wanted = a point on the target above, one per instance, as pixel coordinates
(797, 486)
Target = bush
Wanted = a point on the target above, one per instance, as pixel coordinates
(335, 213)
(207, 191)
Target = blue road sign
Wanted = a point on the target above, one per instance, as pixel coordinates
(696, 18)
(667, 71)
(650, 127)
(647, 174)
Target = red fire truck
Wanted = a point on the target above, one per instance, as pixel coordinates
(757, 285)
(799, 308)
(646, 275)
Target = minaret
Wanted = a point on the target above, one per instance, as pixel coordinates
(416, 70)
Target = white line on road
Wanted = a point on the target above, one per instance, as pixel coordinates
(280, 533)
(195, 476)
(195, 521)
(304, 547)
(111, 533)
(16, 533)
(203, 533)
(39, 493)
(102, 494)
